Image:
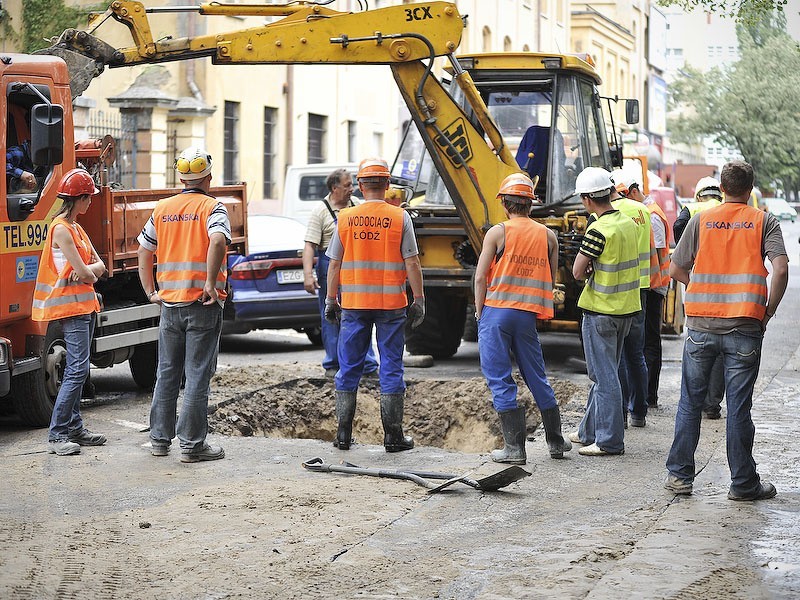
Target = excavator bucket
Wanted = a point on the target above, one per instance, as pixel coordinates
(82, 69)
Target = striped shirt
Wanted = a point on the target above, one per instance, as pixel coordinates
(217, 222)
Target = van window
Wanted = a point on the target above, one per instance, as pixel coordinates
(313, 188)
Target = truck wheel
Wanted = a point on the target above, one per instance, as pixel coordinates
(144, 365)
(35, 392)
(441, 331)
(314, 335)
(470, 325)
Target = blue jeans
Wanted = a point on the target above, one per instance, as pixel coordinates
(741, 356)
(67, 409)
(188, 340)
(330, 331)
(355, 336)
(502, 331)
(603, 422)
(632, 368)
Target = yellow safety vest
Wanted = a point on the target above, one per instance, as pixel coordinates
(640, 216)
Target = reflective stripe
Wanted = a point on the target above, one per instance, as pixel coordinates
(187, 284)
(543, 299)
(185, 266)
(732, 279)
(613, 268)
(645, 272)
(734, 298)
(613, 289)
(373, 265)
(61, 300)
(644, 255)
(373, 289)
(533, 284)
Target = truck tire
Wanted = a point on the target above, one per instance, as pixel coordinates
(440, 333)
(34, 392)
(314, 335)
(470, 325)
(144, 365)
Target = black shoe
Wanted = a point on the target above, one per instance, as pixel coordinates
(713, 415)
(764, 491)
(638, 421)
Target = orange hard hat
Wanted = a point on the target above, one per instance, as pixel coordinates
(373, 167)
(77, 182)
(517, 184)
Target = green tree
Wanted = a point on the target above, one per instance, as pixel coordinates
(750, 105)
(744, 11)
(43, 19)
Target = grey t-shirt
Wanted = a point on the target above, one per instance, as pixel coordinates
(408, 244)
(686, 252)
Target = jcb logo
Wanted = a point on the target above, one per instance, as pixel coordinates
(456, 134)
(420, 13)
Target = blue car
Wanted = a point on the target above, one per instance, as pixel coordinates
(267, 284)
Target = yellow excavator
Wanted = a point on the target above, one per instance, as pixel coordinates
(491, 115)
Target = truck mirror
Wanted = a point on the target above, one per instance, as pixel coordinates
(47, 134)
(631, 111)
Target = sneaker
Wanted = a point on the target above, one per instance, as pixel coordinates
(638, 421)
(764, 491)
(205, 453)
(159, 449)
(595, 450)
(331, 373)
(63, 447)
(573, 437)
(84, 437)
(677, 485)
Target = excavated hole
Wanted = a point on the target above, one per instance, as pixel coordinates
(281, 402)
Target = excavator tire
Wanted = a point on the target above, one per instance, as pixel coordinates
(34, 393)
(144, 365)
(440, 333)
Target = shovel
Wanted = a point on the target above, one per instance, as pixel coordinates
(492, 483)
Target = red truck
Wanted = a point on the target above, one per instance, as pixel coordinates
(36, 107)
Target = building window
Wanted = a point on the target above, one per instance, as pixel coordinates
(230, 165)
(351, 141)
(377, 142)
(487, 39)
(270, 121)
(317, 127)
(506, 44)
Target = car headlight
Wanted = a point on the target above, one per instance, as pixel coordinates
(3, 353)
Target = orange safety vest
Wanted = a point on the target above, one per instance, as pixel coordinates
(55, 295)
(181, 223)
(729, 278)
(521, 277)
(659, 261)
(373, 273)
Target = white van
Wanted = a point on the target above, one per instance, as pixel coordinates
(305, 186)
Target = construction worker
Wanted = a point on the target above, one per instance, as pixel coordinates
(190, 233)
(728, 306)
(321, 225)
(371, 254)
(632, 368)
(608, 260)
(707, 194)
(64, 292)
(513, 288)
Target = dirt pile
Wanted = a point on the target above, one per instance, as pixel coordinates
(284, 401)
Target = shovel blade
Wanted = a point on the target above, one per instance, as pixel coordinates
(501, 479)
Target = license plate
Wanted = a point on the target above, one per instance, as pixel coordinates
(293, 276)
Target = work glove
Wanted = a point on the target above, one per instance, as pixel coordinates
(416, 312)
(333, 312)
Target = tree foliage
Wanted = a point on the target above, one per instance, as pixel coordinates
(744, 11)
(43, 19)
(750, 105)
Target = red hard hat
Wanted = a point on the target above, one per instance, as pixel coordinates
(517, 184)
(77, 182)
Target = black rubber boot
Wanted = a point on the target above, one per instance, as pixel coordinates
(512, 423)
(345, 411)
(392, 418)
(557, 443)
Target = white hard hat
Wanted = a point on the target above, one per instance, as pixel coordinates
(707, 186)
(594, 182)
(193, 164)
(621, 181)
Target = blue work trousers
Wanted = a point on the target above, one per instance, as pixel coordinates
(502, 331)
(188, 340)
(355, 336)
(67, 409)
(330, 331)
(632, 367)
(741, 356)
(603, 422)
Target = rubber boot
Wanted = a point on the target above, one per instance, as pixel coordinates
(512, 423)
(557, 443)
(345, 411)
(392, 418)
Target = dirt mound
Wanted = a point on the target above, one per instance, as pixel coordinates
(283, 401)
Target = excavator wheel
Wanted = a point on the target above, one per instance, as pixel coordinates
(144, 365)
(440, 333)
(35, 392)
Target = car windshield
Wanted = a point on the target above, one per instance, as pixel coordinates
(267, 233)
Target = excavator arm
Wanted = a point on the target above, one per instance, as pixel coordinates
(407, 38)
